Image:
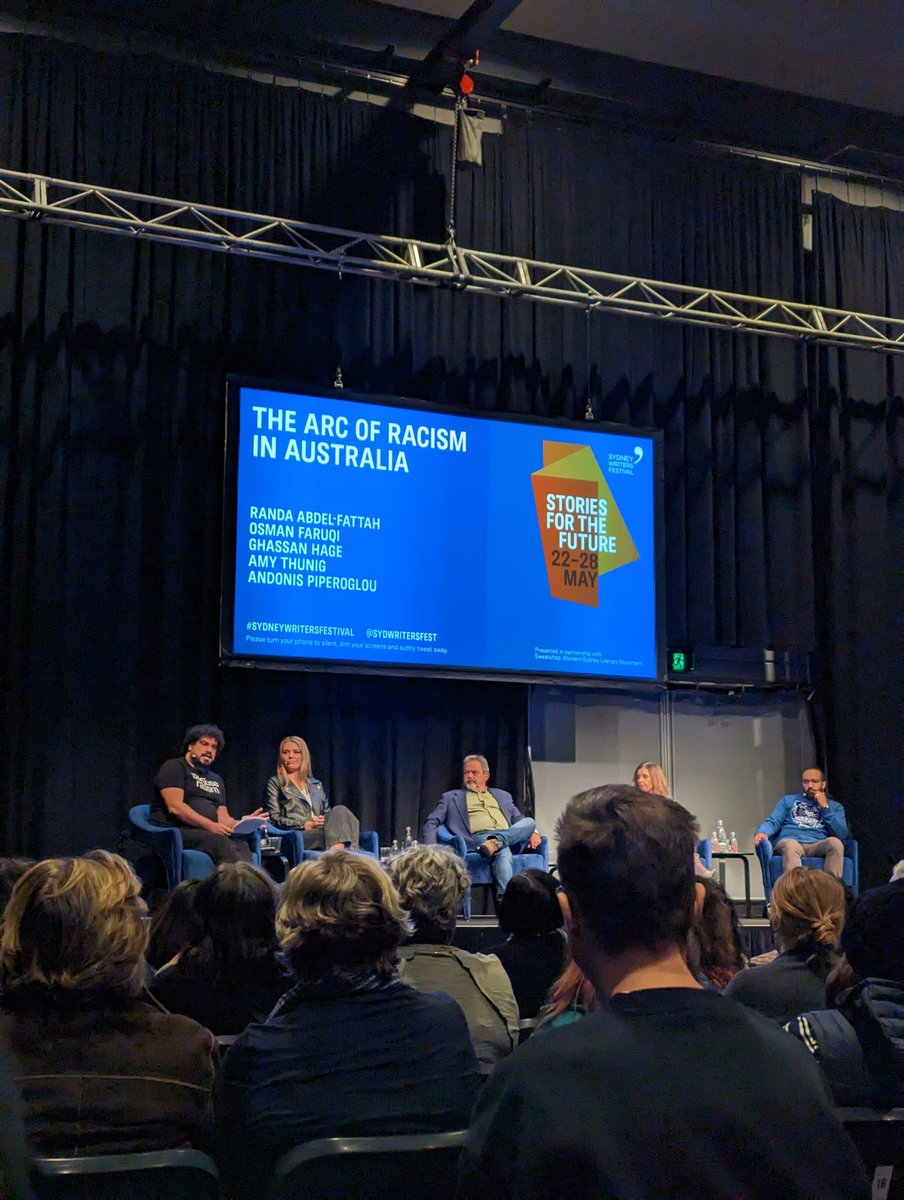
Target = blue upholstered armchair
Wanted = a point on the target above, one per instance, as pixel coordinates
(166, 842)
(479, 868)
(771, 864)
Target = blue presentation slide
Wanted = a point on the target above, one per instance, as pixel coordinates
(397, 536)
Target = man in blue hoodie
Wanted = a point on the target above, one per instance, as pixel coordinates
(808, 824)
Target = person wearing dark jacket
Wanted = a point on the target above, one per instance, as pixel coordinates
(807, 915)
(350, 1050)
(231, 975)
(534, 951)
(99, 1071)
(860, 1045)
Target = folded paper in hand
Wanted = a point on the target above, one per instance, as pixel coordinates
(248, 825)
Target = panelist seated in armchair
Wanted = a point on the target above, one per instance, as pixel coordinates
(807, 825)
(486, 818)
(296, 800)
(192, 797)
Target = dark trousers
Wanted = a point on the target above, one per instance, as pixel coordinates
(221, 849)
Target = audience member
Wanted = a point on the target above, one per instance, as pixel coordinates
(15, 1157)
(350, 1049)
(897, 871)
(231, 976)
(534, 953)
(859, 1045)
(99, 1071)
(666, 1089)
(296, 800)
(807, 916)
(432, 882)
(174, 925)
(571, 997)
(715, 950)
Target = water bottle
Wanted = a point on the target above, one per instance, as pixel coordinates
(406, 844)
(733, 843)
(394, 850)
(722, 837)
(714, 842)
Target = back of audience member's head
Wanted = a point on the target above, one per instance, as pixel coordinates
(432, 882)
(897, 871)
(718, 934)
(626, 857)
(873, 936)
(11, 871)
(572, 991)
(530, 906)
(340, 913)
(175, 924)
(235, 907)
(807, 912)
(75, 925)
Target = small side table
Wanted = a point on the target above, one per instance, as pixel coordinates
(275, 864)
(743, 856)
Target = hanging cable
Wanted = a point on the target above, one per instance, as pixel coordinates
(453, 173)
(588, 410)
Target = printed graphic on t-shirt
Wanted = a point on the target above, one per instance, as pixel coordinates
(806, 814)
(210, 786)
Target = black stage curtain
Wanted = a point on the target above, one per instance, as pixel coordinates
(113, 356)
(858, 553)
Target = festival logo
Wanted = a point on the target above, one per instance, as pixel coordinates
(581, 529)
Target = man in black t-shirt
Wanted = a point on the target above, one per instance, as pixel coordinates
(667, 1089)
(193, 797)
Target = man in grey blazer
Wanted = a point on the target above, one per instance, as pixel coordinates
(486, 818)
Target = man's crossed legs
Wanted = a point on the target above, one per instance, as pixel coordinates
(500, 856)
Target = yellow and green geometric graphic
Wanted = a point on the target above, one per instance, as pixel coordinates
(581, 529)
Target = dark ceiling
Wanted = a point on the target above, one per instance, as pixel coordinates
(821, 80)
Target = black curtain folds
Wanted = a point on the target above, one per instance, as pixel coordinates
(782, 503)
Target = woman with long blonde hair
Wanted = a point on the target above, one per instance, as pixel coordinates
(649, 777)
(295, 799)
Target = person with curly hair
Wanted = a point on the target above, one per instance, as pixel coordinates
(432, 882)
(350, 1049)
(100, 1072)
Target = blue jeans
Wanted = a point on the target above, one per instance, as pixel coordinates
(501, 865)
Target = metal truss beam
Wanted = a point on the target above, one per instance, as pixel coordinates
(204, 226)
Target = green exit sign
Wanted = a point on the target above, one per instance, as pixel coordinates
(681, 661)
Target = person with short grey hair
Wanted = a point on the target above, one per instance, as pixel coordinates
(432, 883)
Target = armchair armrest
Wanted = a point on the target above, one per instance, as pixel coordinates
(446, 838)
(764, 851)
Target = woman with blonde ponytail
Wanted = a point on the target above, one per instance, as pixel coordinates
(807, 916)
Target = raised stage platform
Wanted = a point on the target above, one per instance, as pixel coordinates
(481, 934)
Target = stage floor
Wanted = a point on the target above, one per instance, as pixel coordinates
(482, 933)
